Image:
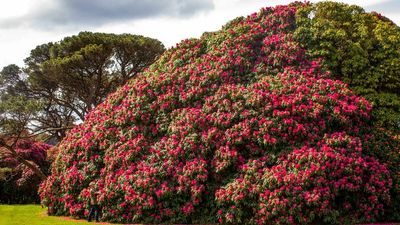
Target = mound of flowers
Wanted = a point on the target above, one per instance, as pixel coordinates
(237, 126)
(21, 183)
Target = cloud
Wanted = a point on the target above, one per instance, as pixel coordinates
(80, 13)
(387, 7)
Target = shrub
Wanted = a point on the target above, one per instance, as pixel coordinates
(19, 183)
(219, 129)
(332, 181)
(359, 48)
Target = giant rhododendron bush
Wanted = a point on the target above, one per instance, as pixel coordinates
(237, 126)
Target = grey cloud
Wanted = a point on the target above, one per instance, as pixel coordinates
(79, 13)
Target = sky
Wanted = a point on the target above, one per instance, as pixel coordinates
(25, 24)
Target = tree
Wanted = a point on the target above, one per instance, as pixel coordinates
(11, 83)
(15, 115)
(18, 118)
(360, 48)
(76, 74)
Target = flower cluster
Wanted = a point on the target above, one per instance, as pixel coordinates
(205, 132)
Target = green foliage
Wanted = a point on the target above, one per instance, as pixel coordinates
(362, 49)
(9, 78)
(16, 109)
(16, 112)
(4, 173)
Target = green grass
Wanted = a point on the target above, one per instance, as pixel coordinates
(36, 215)
(32, 215)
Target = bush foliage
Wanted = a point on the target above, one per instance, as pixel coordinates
(359, 48)
(239, 126)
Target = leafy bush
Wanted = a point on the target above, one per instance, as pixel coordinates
(235, 127)
(19, 183)
(359, 48)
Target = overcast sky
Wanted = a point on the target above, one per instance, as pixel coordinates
(24, 24)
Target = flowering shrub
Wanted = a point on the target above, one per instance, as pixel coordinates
(237, 126)
(367, 61)
(384, 146)
(21, 184)
(333, 181)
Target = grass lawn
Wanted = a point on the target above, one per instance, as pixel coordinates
(36, 215)
(33, 215)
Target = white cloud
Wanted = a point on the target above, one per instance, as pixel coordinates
(9, 9)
